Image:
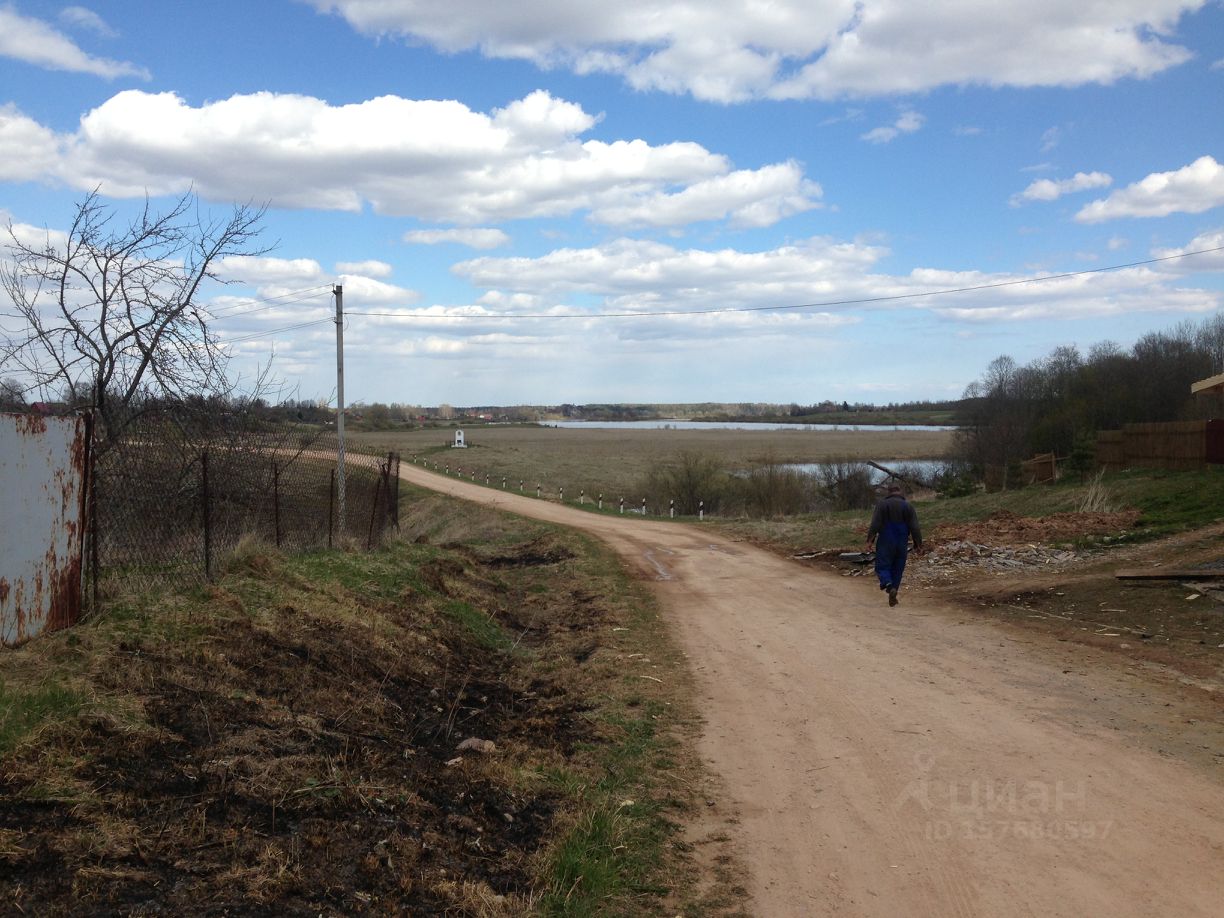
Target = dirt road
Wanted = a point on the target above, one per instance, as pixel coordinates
(912, 762)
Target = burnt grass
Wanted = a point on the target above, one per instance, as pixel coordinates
(297, 751)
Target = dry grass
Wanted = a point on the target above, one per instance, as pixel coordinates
(614, 462)
(282, 739)
(1097, 498)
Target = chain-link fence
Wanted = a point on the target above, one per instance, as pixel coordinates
(171, 497)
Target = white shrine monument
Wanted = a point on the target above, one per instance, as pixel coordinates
(459, 442)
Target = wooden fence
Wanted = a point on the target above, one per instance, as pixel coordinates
(1175, 445)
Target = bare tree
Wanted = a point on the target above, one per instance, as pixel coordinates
(111, 310)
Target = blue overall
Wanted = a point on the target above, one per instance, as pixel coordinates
(892, 547)
(893, 524)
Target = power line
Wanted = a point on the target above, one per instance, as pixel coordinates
(303, 294)
(275, 331)
(279, 305)
(861, 301)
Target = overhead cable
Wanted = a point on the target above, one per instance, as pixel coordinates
(860, 301)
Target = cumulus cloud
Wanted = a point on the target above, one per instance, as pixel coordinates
(1211, 244)
(26, 147)
(36, 42)
(1191, 189)
(474, 238)
(757, 197)
(266, 270)
(541, 310)
(906, 123)
(434, 160)
(735, 50)
(370, 268)
(1053, 189)
(837, 278)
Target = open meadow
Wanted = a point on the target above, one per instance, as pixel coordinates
(615, 462)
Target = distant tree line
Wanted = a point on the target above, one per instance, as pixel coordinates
(1058, 403)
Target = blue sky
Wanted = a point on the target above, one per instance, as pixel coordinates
(465, 168)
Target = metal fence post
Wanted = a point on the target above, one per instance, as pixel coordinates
(378, 489)
(393, 498)
(276, 501)
(207, 524)
(331, 506)
(671, 508)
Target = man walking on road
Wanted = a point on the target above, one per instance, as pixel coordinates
(893, 522)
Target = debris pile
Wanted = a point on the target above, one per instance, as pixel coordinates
(958, 554)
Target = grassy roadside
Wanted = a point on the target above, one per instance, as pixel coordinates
(287, 740)
(1169, 502)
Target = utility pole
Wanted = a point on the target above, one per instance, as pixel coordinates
(338, 290)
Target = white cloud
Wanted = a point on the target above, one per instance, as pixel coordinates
(475, 238)
(1204, 242)
(734, 50)
(638, 276)
(367, 292)
(966, 130)
(82, 18)
(1191, 189)
(1116, 243)
(265, 271)
(907, 123)
(27, 234)
(757, 197)
(26, 147)
(1053, 189)
(370, 268)
(428, 159)
(1050, 139)
(1217, 65)
(35, 42)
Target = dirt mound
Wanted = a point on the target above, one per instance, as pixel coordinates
(1006, 528)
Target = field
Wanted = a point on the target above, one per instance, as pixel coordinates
(614, 462)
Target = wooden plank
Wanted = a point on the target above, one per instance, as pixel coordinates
(1211, 384)
(1172, 574)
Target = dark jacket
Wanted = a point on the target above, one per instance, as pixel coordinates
(894, 520)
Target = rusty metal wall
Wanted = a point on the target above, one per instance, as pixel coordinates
(43, 463)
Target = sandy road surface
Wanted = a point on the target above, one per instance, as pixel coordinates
(907, 762)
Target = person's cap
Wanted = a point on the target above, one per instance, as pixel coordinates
(894, 488)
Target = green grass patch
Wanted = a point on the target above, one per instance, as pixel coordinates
(485, 631)
(22, 711)
(382, 574)
(611, 855)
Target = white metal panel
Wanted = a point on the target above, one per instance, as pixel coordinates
(42, 523)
